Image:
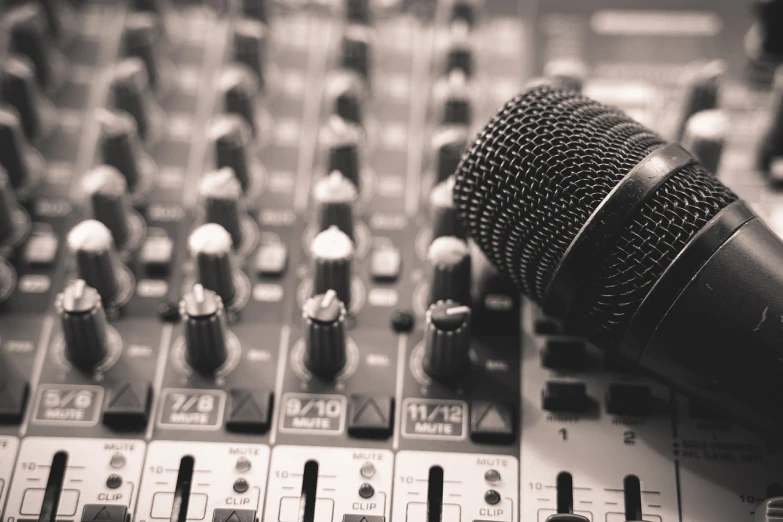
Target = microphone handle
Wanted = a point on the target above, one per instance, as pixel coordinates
(712, 326)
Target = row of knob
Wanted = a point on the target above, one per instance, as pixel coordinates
(86, 339)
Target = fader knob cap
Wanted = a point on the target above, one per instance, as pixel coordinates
(109, 201)
(130, 92)
(96, 258)
(84, 324)
(705, 134)
(143, 38)
(566, 517)
(335, 197)
(343, 139)
(19, 89)
(333, 253)
(449, 265)
(449, 143)
(324, 323)
(702, 89)
(771, 510)
(221, 194)
(206, 349)
(28, 36)
(210, 246)
(443, 213)
(23, 164)
(447, 342)
(250, 46)
(234, 147)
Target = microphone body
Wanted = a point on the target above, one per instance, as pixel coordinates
(632, 244)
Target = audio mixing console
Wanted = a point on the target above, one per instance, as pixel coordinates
(233, 287)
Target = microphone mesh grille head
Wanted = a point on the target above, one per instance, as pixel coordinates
(538, 170)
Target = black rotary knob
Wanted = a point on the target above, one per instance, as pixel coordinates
(771, 146)
(342, 141)
(130, 92)
(19, 89)
(96, 258)
(256, 9)
(121, 148)
(206, 348)
(84, 325)
(210, 246)
(335, 197)
(702, 90)
(324, 324)
(234, 147)
(449, 265)
(8, 208)
(347, 92)
(448, 143)
(250, 46)
(443, 213)
(143, 38)
(764, 43)
(23, 164)
(705, 134)
(333, 252)
(240, 90)
(356, 50)
(110, 202)
(7, 279)
(447, 342)
(459, 55)
(223, 202)
(28, 36)
(14, 220)
(566, 73)
(457, 103)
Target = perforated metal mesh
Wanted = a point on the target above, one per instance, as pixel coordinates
(538, 170)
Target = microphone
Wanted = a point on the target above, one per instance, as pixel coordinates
(633, 244)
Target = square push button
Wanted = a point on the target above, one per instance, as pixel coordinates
(40, 250)
(370, 416)
(271, 260)
(385, 264)
(565, 397)
(492, 422)
(156, 254)
(364, 518)
(249, 410)
(128, 405)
